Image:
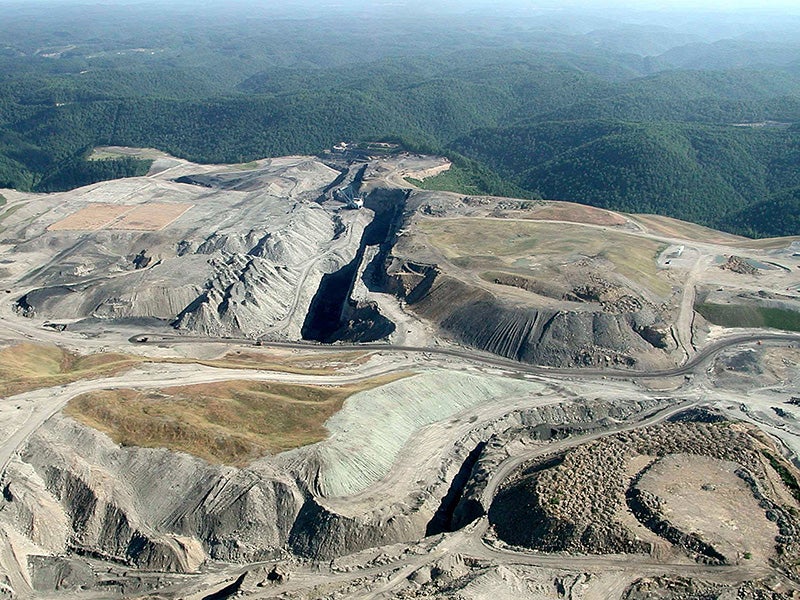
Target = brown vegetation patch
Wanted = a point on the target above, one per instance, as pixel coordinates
(674, 228)
(91, 218)
(284, 361)
(150, 217)
(302, 362)
(479, 243)
(26, 367)
(233, 422)
(576, 213)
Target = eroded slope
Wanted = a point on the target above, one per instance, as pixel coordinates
(241, 257)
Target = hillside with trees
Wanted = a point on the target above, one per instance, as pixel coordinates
(675, 122)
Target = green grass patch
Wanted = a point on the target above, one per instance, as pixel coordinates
(472, 179)
(2, 200)
(736, 315)
(488, 244)
(113, 153)
(454, 179)
(789, 480)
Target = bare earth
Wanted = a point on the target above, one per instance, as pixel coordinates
(523, 333)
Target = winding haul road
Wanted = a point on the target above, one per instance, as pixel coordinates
(471, 541)
(691, 366)
(40, 405)
(47, 402)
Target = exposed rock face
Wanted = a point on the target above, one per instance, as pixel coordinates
(339, 311)
(73, 489)
(119, 504)
(242, 260)
(685, 588)
(539, 336)
(58, 574)
(38, 516)
(252, 289)
(321, 533)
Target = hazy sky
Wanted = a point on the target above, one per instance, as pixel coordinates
(724, 5)
(617, 9)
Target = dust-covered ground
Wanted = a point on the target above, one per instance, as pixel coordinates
(220, 381)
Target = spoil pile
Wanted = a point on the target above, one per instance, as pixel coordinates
(576, 502)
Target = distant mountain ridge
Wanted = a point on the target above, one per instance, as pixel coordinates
(593, 109)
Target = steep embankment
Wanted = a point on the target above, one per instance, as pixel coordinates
(72, 489)
(333, 314)
(117, 503)
(534, 334)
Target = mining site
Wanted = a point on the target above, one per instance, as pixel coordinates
(306, 377)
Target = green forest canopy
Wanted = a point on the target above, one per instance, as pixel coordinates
(564, 115)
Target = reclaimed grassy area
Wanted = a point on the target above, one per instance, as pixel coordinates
(735, 315)
(667, 226)
(116, 152)
(25, 367)
(516, 243)
(232, 422)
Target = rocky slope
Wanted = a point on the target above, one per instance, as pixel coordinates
(578, 501)
(537, 335)
(243, 259)
(72, 489)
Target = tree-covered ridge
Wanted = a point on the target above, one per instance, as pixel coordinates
(80, 170)
(555, 106)
(700, 173)
(777, 216)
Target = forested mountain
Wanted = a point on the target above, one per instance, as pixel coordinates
(780, 215)
(606, 109)
(695, 172)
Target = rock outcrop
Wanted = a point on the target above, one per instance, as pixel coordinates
(475, 317)
(73, 489)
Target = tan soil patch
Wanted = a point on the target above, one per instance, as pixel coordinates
(150, 217)
(126, 217)
(703, 495)
(576, 213)
(91, 218)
